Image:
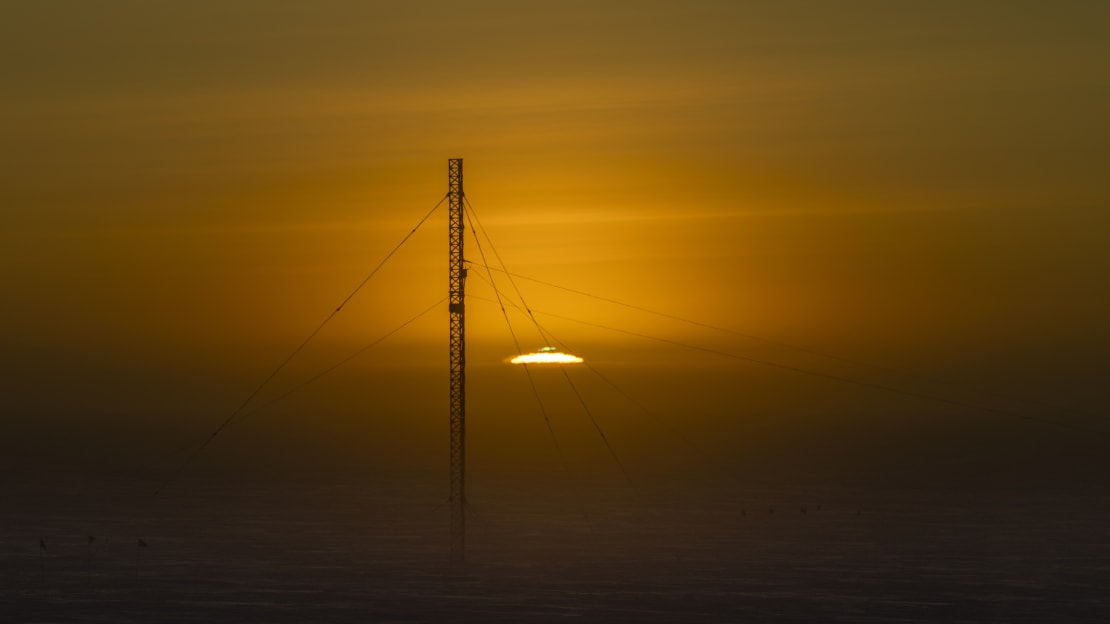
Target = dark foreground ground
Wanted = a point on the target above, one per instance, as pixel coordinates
(342, 553)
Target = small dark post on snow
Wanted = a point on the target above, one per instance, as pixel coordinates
(139, 546)
(42, 558)
(88, 565)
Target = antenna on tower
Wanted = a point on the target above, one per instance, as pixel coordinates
(456, 285)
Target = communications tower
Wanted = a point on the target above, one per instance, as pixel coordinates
(456, 285)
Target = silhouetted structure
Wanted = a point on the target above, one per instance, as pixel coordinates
(456, 308)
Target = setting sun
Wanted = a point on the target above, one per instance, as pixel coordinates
(840, 269)
(546, 355)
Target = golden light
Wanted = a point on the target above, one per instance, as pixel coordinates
(546, 355)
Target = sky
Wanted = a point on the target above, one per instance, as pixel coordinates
(892, 221)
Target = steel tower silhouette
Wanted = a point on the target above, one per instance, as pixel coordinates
(456, 308)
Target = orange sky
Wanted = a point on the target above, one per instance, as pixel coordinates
(190, 188)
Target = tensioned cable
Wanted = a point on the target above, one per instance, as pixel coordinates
(516, 343)
(628, 397)
(993, 411)
(555, 339)
(830, 376)
(581, 400)
(503, 269)
(331, 368)
(794, 347)
(531, 316)
(676, 317)
(593, 421)
(350, 357)
(231, 417)
(674, 430)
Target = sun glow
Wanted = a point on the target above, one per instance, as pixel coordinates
(546, 355)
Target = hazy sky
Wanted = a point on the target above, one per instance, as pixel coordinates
(189, 188)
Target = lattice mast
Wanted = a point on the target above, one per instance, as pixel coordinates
(456, 285)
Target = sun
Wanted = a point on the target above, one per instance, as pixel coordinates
(546, 355)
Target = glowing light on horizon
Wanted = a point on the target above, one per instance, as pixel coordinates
(546, 355)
